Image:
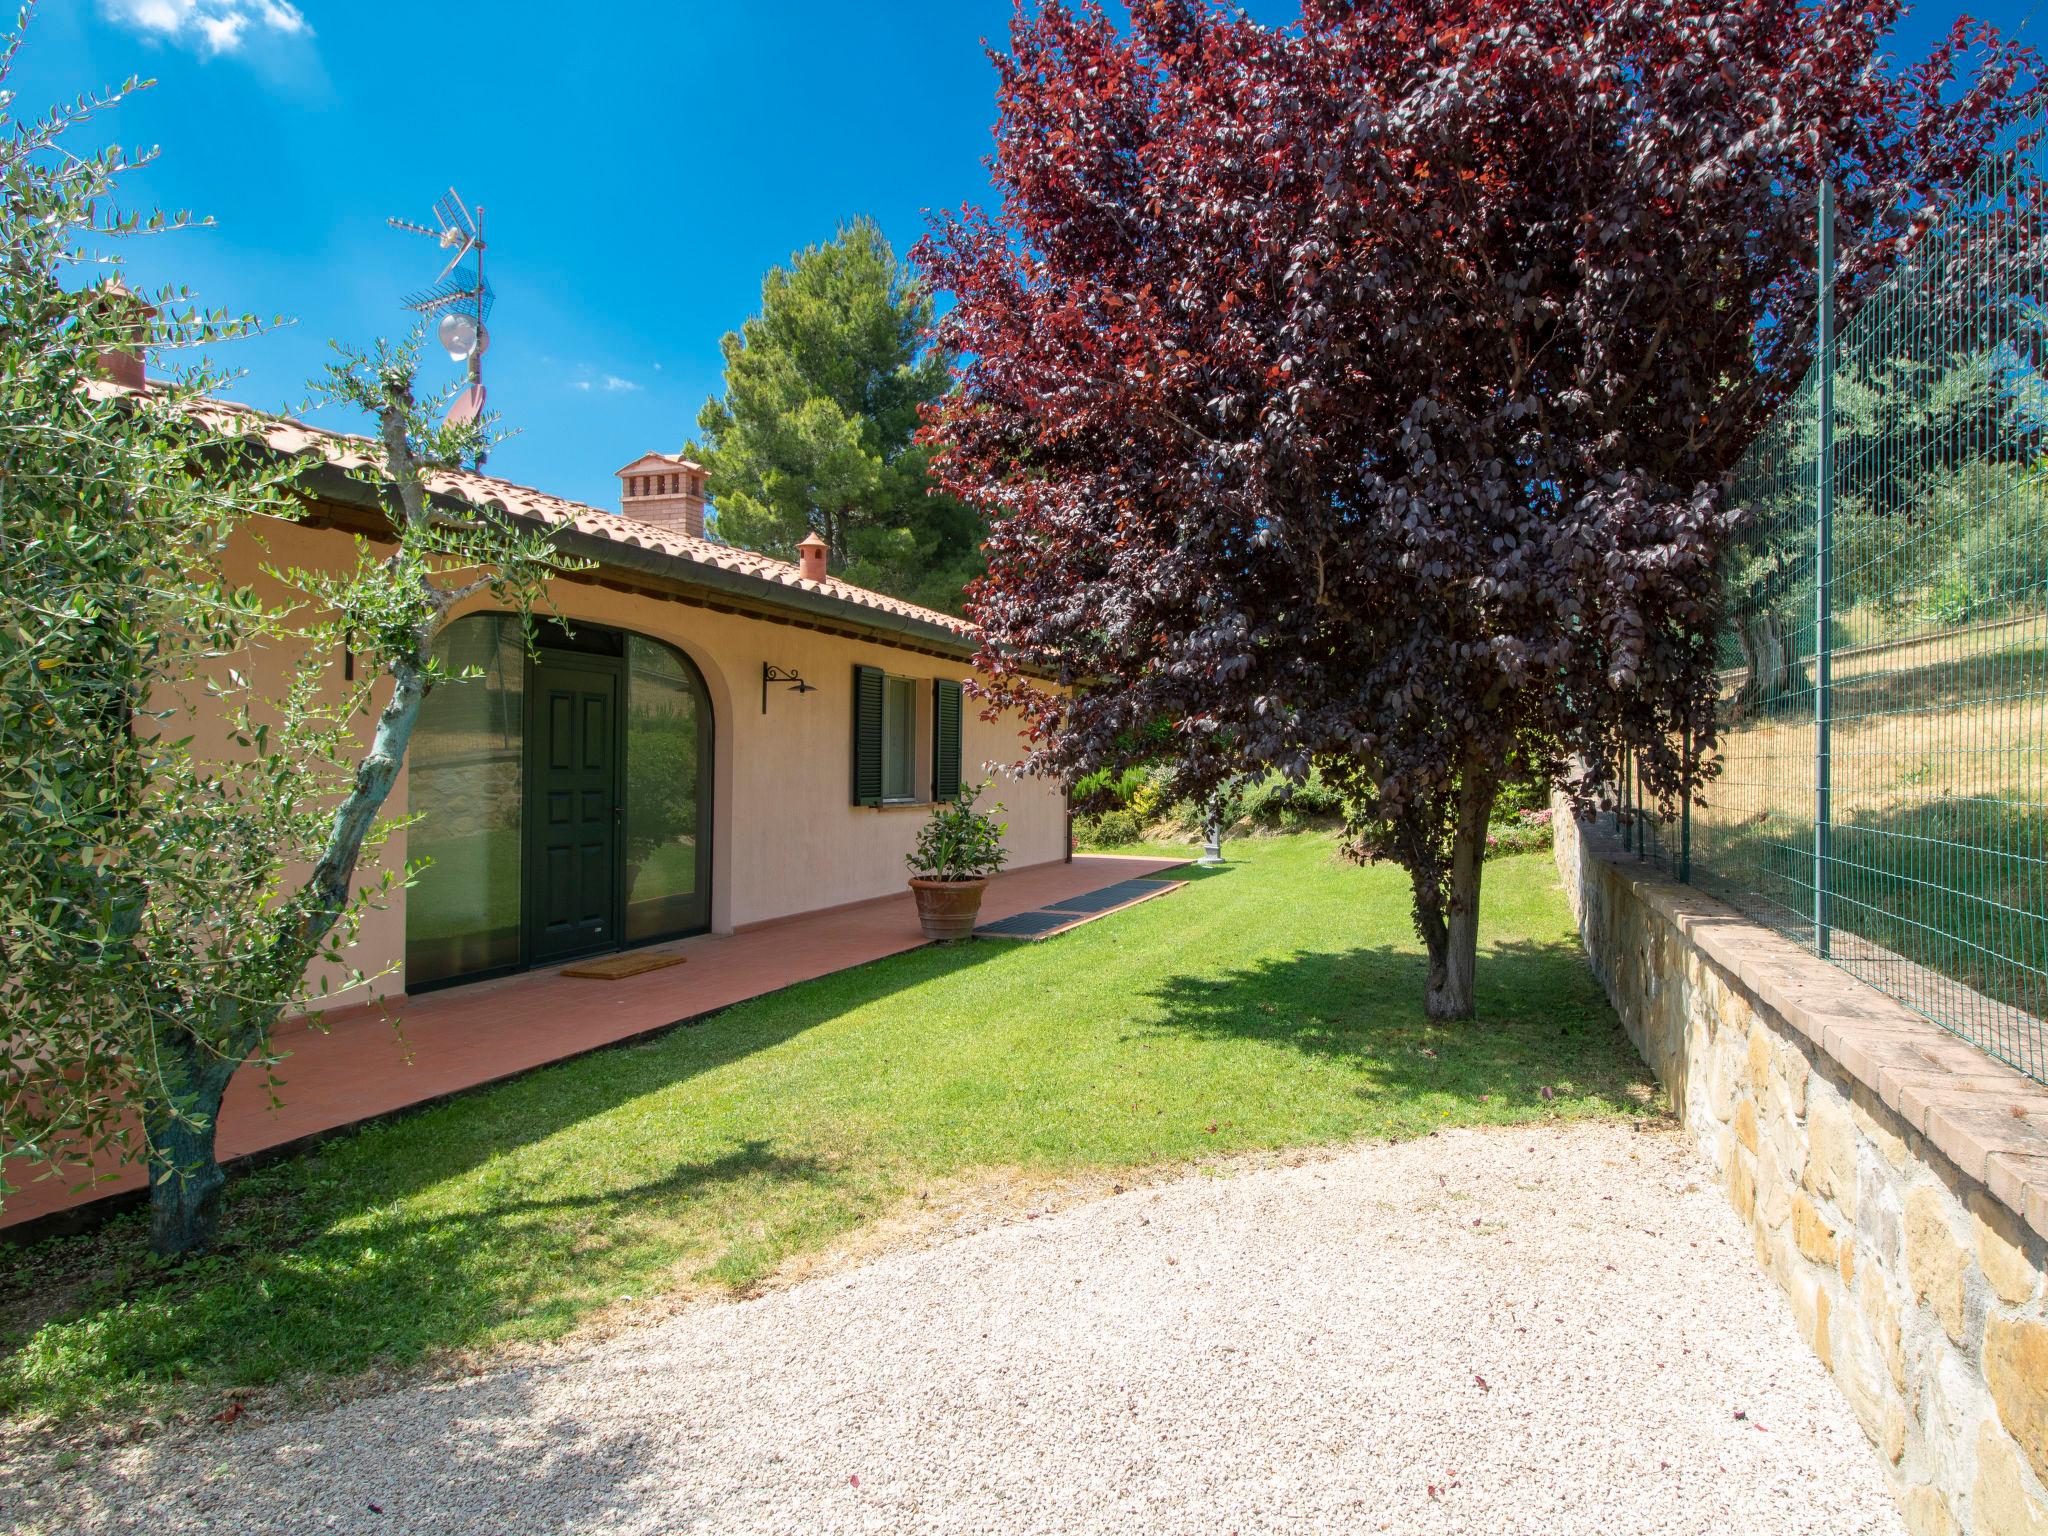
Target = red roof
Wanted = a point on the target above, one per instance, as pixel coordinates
(348, 450)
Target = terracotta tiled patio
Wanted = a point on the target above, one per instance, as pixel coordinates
(358, 1068)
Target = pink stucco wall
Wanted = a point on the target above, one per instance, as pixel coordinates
(786, 837)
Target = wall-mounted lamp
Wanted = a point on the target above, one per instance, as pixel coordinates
(770, 673)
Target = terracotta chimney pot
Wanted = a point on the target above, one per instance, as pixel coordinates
(812, 555)
(664, 489)
(131, 313)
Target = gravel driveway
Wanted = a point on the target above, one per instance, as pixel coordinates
(1544, 1330)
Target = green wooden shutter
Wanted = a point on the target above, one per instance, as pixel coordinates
(867, 736)
(945, 739)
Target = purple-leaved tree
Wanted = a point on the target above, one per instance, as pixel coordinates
(1360, 393)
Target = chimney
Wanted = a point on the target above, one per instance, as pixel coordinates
(664, 489)
(129, 314)
(811, 556)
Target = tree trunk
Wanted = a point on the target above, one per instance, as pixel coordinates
(1751, 689)
(191, 1068)
(1453, 942)
(1777, 655)
(1763, 651)
(185, 1179)
(1451, 968)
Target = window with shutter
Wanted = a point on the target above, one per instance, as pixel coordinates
(867, 735)
(899, 740)
(946, 706)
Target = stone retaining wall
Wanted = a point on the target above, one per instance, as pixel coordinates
(1894, 1179)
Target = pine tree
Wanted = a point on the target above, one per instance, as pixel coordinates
(822, 392)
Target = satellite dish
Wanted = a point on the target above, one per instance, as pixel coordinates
(460, 300)
(458, 334)
(467, 407)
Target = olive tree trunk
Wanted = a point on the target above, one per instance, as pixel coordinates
(185, 1176)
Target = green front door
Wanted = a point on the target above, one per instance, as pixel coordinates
(572, 886)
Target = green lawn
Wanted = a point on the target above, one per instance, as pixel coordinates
(1274, 1003)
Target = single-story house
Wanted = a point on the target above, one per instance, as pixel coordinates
(707, 740)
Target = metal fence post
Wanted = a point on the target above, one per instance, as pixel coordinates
(1685, 808)
(1644, 831)
(1897, 521)
(1824, 573)
(1628, 786)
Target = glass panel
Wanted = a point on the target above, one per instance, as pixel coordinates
(462, 914)
(666, 720)
(899, 732)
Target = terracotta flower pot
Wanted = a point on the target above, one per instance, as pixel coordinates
(947, 909)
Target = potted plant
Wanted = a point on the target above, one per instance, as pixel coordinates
(957, 850)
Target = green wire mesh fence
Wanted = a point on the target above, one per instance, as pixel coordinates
(1883, 786)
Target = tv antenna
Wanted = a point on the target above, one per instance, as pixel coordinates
(461, 298)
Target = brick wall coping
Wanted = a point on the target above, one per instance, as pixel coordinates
(1988, 1119)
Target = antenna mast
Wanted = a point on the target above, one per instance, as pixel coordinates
(462, 299)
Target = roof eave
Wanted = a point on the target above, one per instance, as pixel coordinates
(332, 484)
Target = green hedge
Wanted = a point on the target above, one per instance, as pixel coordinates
(1136, 809)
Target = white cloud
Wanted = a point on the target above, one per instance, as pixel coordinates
(211, 26)
(609, 383)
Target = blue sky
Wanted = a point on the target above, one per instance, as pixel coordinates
(641, 167)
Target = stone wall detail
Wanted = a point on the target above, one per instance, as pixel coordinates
(1893, 1178)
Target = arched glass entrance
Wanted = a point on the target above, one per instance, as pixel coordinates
(462, 915)
(668, 837)
(563, 800)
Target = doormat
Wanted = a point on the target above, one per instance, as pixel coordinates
(1062, 916)
(1109, 897)
(1026, 925)
(618, 967)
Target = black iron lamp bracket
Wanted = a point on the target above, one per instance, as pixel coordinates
(770, 673)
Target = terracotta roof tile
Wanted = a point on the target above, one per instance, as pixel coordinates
(352, 451)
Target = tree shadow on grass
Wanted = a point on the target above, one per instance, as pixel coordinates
(1542, 1024)
(345, 1254)
(448, 1139)
(498, 1431)
(384, 1287)
(753, 1159)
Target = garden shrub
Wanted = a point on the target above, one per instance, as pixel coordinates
(1520, 795)
(1526, 832)
(1110, 829)
(1271, 802)
(1145, 800)
(1137, 805)
(2003, 521)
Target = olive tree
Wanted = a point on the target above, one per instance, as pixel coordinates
(191, 818)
